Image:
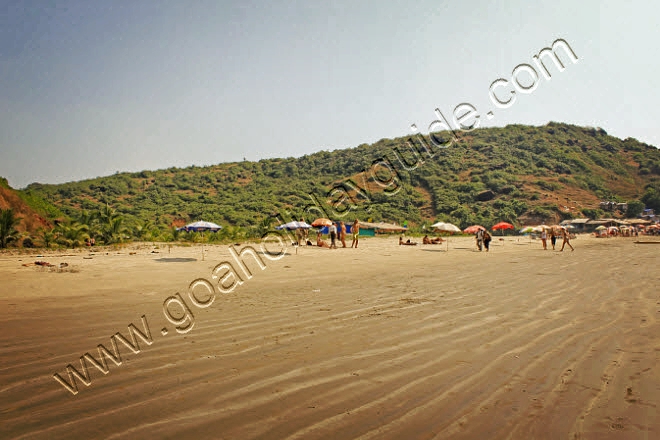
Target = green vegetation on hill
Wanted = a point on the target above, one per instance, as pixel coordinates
(549, 172)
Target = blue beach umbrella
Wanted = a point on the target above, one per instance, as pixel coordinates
(201, 226)
(294, 225)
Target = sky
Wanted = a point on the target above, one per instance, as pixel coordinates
(90, 88)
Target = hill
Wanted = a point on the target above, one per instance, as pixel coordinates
(30, 221)
(486, 175)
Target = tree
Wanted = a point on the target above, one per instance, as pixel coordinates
(71, 234)
(114, 230)
(112, 225)
(142, 231)
(47, 237)
(651, 198)
(635, 208)
(91, 220)
(8, 222)
(176, 233)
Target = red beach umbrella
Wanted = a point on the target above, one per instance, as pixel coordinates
(473, 229)
(502, 225)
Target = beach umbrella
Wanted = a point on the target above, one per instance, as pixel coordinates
(473, 229)
(528, 229)
(320, 222)
(600, 228)
(556, 229)
(446, 227)
(201, 226)
(502, 225)
(294, 225)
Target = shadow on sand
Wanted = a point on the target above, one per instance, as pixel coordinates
(175, 260)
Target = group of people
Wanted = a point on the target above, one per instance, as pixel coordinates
(483, 239)
(564, 234)
(425, 240)
(337, 231)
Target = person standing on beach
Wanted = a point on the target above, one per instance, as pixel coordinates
(355, 230)
(342, 234)
(566, 237)
(304, 232)
(544, 240)
(333, 236)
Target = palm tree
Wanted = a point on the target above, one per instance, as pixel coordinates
(176, 233)
(8, 222)
(264, 226)
(106, 214)
(71, 234)
(91, 220)
(112, 228)
(47, 237)
(142, 230)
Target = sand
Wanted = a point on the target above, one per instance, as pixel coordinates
(380, 342)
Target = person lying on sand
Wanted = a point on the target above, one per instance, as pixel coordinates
(406, 243)
(428, 240)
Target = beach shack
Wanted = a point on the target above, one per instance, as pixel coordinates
(579, 224)
(368, 229)
(371, 229)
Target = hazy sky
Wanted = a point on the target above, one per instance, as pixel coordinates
(90, 87)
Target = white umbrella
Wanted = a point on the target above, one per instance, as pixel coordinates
(447, 227)
(201, 226)
(294, 225)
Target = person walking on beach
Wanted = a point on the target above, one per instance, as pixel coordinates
(566, 237)
(333, 236)
(479, 236)
(487, 239)
(355, 230)
(342, 234)
(553, 238)
(544, 240)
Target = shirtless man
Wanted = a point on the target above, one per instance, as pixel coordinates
(355, 230)
(406, 243)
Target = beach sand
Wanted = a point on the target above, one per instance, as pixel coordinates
(381, 342)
